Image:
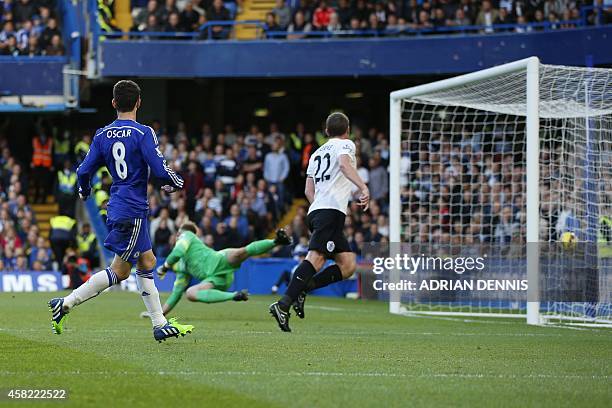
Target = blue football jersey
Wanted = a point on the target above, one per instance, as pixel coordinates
(128, 149)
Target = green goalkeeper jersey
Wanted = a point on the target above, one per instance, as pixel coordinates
(192, 258)
(198, 260)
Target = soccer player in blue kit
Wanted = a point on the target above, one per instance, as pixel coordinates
(129, 150)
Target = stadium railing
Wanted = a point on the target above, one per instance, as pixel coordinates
(206, 28)
(404, 31)
(400, 31)
(531, 27)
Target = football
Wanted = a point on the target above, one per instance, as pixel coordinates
(568, 241)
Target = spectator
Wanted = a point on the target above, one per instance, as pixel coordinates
(41, 165)
(522, 26)
(164, 215)
(7, 31)
(227, 168)
(375, 24)
(424, 22)
(10, 47)
(276, 167)
(539, 19)
(555, 7)
(88, 245)
(469, 9)
(271, 24)
(460, 19)
(167, 10)
(282, 13)
(361, 13)
(62, 235)
(363, 172)
(194, 185)
(253, 163)
(506, 228)
(334, 24)
(344, 14)
(218, 12)
(322, 15)
(152, 26)
(174, 24)
(504, 18)
(161, 239)
(44, 256)
(32, 49)
(55, 48)
(190, 17)
(47, 35)
(486, 16)
(24, 34)
(142, 18)
(21, 262)
(82, 148)
(23, 10)
(379, 180)
(439, 18)
(224, 237)
(240, 222)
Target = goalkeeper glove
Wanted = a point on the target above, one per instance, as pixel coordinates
(162, 270)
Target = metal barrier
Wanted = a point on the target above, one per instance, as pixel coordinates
(207, 30)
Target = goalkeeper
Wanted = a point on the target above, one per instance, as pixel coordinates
(190, 257)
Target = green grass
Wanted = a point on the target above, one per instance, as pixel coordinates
(349, 353)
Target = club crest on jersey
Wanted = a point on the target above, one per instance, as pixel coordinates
(330, 246)
(136, 254)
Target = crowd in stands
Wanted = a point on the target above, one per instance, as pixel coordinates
(159, 16)
(237, 187)
(21, 245)
(30, 28)
(239, 184)
(368, 17)
(236, 184)
(468, 187)
(389, 17)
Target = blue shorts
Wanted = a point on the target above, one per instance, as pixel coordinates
(128, 238)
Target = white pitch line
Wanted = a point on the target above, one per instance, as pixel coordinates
(219, 333)
(323, 374)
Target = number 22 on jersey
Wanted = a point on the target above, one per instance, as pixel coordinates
(323, 176)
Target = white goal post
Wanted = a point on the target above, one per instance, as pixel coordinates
(515, 154)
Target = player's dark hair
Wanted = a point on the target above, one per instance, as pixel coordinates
(126, 94)
(189, 226)
(337, 124)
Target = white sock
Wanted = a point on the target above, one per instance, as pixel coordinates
(150, 297)
(96, 284)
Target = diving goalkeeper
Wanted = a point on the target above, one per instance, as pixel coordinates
(215, 270)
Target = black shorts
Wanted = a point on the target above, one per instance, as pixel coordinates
(327, 232)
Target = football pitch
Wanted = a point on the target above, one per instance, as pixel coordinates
(346, 353)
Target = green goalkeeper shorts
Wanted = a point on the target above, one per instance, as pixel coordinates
(223, 274)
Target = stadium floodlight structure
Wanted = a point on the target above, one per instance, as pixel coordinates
(517, 154)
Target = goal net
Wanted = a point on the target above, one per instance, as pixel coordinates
(512, 164)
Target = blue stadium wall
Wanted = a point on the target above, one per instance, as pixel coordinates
(256, 275)
(352, 57)
(31, 76)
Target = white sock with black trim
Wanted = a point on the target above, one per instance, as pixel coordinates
(94, 285)
(150, 297)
